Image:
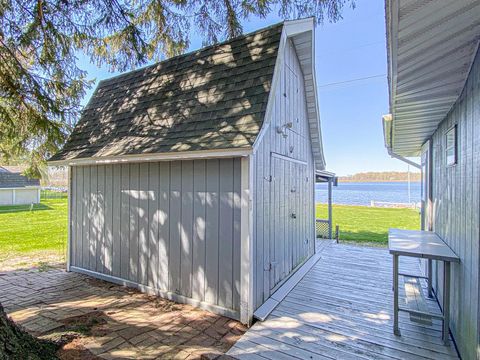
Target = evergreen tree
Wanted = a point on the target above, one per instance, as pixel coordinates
(41, 83)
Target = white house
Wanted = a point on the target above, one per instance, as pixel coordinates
(16, 189)
(194, 178)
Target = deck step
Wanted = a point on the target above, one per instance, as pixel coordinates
(415, 300)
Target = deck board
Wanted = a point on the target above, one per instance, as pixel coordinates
(343, 309)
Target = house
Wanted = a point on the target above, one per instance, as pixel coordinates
(434, 81)
(16, 189)
(194, 178)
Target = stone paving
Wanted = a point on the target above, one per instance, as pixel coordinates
(126, 323)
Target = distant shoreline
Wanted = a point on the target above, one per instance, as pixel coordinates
(340, 180)
(385, 176)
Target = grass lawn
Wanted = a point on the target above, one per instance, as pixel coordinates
(38, 236)
(33, 236)
(369, 224)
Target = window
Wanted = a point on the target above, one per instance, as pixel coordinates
(451, 146)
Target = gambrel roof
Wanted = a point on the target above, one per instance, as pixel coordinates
(210, 101)
(213, 98)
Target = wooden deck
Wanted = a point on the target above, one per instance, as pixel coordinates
(342, 309)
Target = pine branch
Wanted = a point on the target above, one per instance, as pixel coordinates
(41, 85)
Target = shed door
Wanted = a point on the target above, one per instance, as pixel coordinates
(287, 248)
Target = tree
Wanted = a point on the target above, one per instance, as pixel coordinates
(41, 83)
(15, 343)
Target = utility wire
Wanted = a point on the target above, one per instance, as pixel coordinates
(352, 80)
(353, 48)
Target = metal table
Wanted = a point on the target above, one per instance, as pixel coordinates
(426, 245)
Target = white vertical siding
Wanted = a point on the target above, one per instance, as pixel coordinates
(456, 196)
(6, 197)
(282, 187)
(169, 226)
(26, 196)
(19, 196)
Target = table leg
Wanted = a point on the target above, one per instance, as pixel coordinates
(430, 284)
(396, 329)
(446, 301)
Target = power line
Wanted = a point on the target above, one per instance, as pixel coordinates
(347, 49)
(352, 80)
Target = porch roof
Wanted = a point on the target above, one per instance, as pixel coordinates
(324, 176)
(430, 47)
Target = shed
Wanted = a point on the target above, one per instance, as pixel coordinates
(194, 178)
(16, 189)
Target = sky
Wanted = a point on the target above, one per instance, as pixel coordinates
(350, 109)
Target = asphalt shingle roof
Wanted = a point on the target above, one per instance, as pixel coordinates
(16, 180)
(213, 98)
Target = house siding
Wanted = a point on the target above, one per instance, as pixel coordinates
(19, 196)
(455, 200)
(282, 187)
(171, 226)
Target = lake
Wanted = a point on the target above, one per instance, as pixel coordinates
(361, 193)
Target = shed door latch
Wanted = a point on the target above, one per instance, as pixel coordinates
(271, 266)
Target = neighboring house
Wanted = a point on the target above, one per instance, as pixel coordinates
(434, 79)
(194, 178)
(16, 189)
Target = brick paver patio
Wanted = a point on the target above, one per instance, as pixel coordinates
(126, 324)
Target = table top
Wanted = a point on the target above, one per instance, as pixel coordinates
(423, 244)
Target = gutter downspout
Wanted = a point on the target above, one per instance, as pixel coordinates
(409, 162)
(387, 134)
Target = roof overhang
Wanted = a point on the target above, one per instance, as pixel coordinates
(170, 156)
(325, 176)
(302, 34)
(431, 46)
